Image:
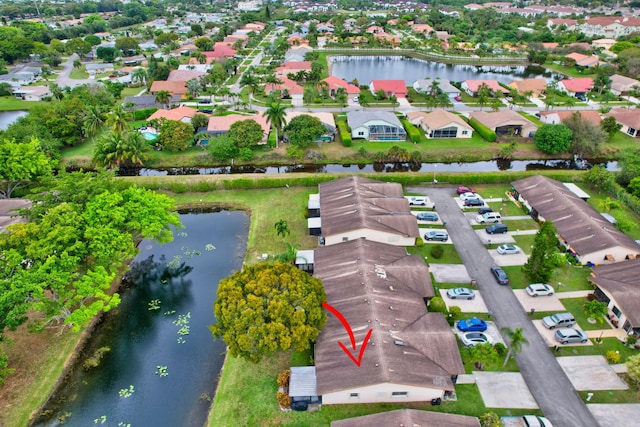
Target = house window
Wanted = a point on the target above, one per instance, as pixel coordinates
(344, 239)
(354, 395)
(450, 132)
(465, 132)
(616, 311)
(631, 131)
(399, 393)
(360, 133)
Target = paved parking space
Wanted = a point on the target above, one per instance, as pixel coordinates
(475, 305)
(542, 303)
(591, 373)
(427, 223)
(461, 205)
(548, 335)
(504, 390)
(423, 230)
(492, 331)
(496, 239)
(450, 273)
(508, 260)
(619, 415)
(428, 205)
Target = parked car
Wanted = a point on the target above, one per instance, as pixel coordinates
(488, 217)
(484, 210)
(539, 289)
(436, 235)
(507, 249)
(458, 98)
(468, 195)
(204, 101)
(474, 202)
(496, 229)
(471, 339)
(473, 324)
(581, 97)
(356, 99)
(428, 216)
(461, 293)
(526, 421)
(205, 110)
(559, 320)
(420, 201)
(570, 335)
(500, 275)
(462, 190)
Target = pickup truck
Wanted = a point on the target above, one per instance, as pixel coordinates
(526, 421)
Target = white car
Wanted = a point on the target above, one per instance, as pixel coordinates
(467, 196)
(417, 201)
(507, 249)
(538, 289)
(471, 339)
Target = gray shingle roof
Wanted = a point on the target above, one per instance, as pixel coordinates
(409, 418)
(360, 118)
(378, 286)
(620, 279)
(576, 221)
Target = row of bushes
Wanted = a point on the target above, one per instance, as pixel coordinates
(412, 131)
(483, 131)
(345, 135)
(205, 183)
(143, 114)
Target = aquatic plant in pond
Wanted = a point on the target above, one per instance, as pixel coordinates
(126, 392)
(154, 304)
(161, 371)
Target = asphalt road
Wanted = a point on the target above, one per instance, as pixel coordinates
(63, 79)
(546, 380)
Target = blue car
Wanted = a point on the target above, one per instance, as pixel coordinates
(473, 324)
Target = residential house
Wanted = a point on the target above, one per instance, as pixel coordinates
(577, 86)
(587, 61)
(355, 207)
(569, 24)
(506, 122)
(134, 103)
(557, 117)
(389, 38)
(335, 83)
(535, 86)
(327, 120)
(582, 230)
(605, 44)
(174, 87)
(629, 119)
(220, 50)
(472, 87)
(374, 29)
(376, 126)
(409, 417)
(16, 80)
(612, 27)
(292, 67)
(445, 86)
(441, 124)
(617, 285)
(473, 6)
(183, 114)
(297, 40)
(203, 68)
(422, 28)
(288, 88)
(412, 355)
(397, 88)
(219, 125)
(297, 53)
(185, 75)
(32, 93)
(621, 85)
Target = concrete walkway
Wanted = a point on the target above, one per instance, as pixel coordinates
(608, 333)
(547, 382)
(573, 294)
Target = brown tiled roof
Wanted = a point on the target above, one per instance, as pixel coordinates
(355, 203)
(223, 123)
(534, 85)
(499, 118)
(409, 418)
(590, 115)
(378, 286)
(185, 75)
(577, 223)
(438, 118)
(620, 279)
(175, 114)
(173, 87)
(629, 118)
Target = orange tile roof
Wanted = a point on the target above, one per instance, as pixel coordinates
(175, 86)
(175, 114)
(223, 123)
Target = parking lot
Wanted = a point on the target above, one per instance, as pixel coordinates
(548, 335)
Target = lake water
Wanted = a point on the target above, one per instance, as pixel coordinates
(8, 117)
(367, 68)
(141, 339)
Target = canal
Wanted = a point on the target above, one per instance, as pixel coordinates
(8, 117)
(162, 365)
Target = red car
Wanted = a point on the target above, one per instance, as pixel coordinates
(462, 190)
(458, 98)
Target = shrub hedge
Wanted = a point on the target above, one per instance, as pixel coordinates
(483, 131)
(345, 135)
(412, 131)
(144, 113)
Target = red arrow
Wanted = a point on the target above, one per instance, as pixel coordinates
(350, 332)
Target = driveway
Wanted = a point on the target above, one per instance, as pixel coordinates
(591, 373)
(542, 303)
(508, 260)
(422, 230)
(475, 305)
(496, 239)
(618, 415)
(549, 336)
(548, 383)
(450, 273)
(504, 390)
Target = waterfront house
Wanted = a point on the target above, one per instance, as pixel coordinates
(376, 126)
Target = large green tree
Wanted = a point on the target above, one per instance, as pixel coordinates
(586, 136)
(21, 163)
(115, 149)
(540, 265)
(267, 308)
(245, 133)
(303, 129)
(553, 139)
(175, 135)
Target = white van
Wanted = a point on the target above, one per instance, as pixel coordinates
(488, 217)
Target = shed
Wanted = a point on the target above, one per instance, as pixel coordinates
(305, 260)
(315, 226)
(579, 192)
(303, 385)
(313, 206)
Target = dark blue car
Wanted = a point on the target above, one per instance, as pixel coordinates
(473, 324)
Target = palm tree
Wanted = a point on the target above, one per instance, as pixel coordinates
(163, 97)
(275, 115)
(483, 94)
(251, 82)
(77, 63)
(282, 228)
(434, 88)
(118, 119)
(116, 149)
(139, 75)
(194, 87)
(443, 101)
(516, 340)
(92, 121)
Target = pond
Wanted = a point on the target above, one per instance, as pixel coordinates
(179, 278)
(367, 68)
(8, 117)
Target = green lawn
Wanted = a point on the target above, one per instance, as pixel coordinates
(631, 395)
(573, 72)
(450, 255)
(79, 73)
(571, 278)
(608, 344)
(620, 213)
(130, 91)
(11, 103)
(575, 307)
